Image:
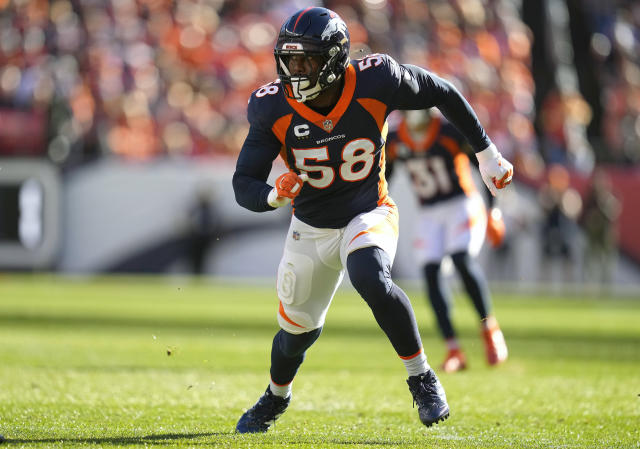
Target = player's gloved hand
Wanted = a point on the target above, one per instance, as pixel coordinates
(495, 227)
(288, 186)
(495, 170)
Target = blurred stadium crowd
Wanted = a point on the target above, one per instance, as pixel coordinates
(555, 82)
(139, 79)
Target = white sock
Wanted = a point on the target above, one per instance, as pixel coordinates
(452, 344)
(489, 322)
(416, 364)
(283, 391)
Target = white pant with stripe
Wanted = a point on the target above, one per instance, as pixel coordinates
(451, 226)
(314, 261)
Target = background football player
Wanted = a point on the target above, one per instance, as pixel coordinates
(326, 116)
(452, 221)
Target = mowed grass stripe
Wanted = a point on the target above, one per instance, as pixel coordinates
(146, 361)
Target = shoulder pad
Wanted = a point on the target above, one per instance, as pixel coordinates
(376, 61)
(379, 75)
(264, 103)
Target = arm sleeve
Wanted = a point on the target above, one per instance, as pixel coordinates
(421, 89)
(466, 148)
(254, 163)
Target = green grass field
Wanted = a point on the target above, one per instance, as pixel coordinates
(160, 362)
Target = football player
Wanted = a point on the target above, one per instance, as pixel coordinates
(325, 116)
(452, 221)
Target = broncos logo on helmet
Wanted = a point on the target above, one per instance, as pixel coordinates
(335, 25)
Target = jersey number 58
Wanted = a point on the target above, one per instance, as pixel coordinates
(354, 152)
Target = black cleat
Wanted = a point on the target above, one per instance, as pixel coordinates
(428, 393)
(264, 413)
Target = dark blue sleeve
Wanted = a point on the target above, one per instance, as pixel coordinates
(418, 88)
(258, 152)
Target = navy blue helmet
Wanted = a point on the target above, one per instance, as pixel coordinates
(318, 32)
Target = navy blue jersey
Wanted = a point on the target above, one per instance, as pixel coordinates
(343, 152)
(435, 160)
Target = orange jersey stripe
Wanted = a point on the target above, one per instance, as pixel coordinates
(281, 126)
(279, 129)
(461, 164)
(463, 170)
(339, 109)
(429, 136)
(451, 145)
(376, 108)
(383, 189)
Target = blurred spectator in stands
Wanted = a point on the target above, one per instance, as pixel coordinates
(615, 44)
(561, 205)
(599, 217)
(564, 118)
(146, 78)
(203, 229)
(141, 79)
(484, 49)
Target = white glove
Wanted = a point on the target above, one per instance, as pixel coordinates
(277, 201)
(288, 186)
(495, 170)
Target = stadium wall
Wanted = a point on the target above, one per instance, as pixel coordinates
(122, 217)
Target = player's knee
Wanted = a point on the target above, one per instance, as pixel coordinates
(293, 345)
(369, 272)
(432, 272)
(462, 261)
(367, 283)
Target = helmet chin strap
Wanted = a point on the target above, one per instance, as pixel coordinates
(300, 85)
(302, 90)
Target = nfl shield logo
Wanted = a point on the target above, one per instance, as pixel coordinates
(327, 125)
(296, 235)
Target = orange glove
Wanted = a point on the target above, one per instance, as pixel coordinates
(495, 227)
(288, 186)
